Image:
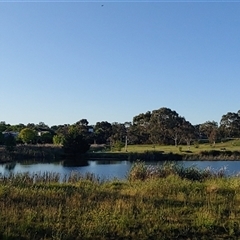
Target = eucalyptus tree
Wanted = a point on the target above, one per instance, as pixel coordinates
(189, 132)
(166, 126)
(102, 132)
(118, 133)
(230, 125)
(210, 129)
(85, 130)
(139, 130)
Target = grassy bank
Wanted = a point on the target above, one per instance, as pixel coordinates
(152, 204)
(229, 150)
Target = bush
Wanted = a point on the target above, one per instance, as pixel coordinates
(141, 171)
(74, 145)
(10, 143)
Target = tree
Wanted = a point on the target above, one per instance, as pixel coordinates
(189, 132)
(1, 138)
(10, 143)
(102, 132)
(84, 129)
(210, 129)
(58, 139)
(3, 126)
(138, 132)
(118, 133)
(74, 145)
(28, 135)
(82, 122)
(230, 125)
(46, 137)
(165, 126)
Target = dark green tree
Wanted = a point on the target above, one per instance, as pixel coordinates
(189, 133)
(119, 133)
(102, 132)
(1, 138)
(10, 143)
(230, 125)
(46, 137)
(74, 145)
(138, 132)
(3, 126)
(165, 126)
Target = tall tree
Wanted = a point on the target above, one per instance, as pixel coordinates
(165, 126)
(85, 130)
(102, 132)
(210, 129)
(3, 126)
(139, 130)
(189, 132)
(119, 132)
(74, 144)
(230, 125)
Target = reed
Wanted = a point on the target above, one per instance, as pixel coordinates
(163, 203)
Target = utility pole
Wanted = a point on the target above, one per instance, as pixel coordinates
(126, 140)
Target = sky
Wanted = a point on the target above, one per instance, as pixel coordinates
(63, 61)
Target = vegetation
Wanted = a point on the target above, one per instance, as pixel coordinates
(74, 145)
(154, 203)
(162, 126)
(27, 135)
(161, 130)
(37, 152)
(10, 143)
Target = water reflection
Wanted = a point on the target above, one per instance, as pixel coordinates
(107, 169)
(108, 162)
(10, 166)
(74, 163)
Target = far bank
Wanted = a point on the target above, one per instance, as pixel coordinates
(168, 153)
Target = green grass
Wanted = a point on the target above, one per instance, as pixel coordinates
(158, 207)
(233, 145)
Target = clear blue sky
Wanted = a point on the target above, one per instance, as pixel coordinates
(64, 61)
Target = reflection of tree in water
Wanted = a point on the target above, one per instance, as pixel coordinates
(10, 166)
(75, 163)
(106, 162)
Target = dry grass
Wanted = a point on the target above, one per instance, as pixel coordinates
(170, 207)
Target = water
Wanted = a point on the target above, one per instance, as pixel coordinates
(107, 169)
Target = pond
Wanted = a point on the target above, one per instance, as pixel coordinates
(107, 169)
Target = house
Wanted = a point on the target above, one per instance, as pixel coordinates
(10, 133)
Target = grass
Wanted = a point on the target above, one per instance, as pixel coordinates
(228, 150)
(233, 145)
(166, 204)
(23, 152)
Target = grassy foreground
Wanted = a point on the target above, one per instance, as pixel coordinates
(154, 203)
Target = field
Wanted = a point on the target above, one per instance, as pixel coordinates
(161, 204)
(233, 145)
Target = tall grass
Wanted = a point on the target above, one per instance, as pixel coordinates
(161, 203)
(23, 152)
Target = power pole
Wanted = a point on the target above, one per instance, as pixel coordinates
(126, 140)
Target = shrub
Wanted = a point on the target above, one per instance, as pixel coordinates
(74, 145)
(141, 171)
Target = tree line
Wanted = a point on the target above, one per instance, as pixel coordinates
(162, 126)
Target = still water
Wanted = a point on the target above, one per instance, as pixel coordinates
(107, 169)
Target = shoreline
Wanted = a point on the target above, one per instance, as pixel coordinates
(50, 152)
